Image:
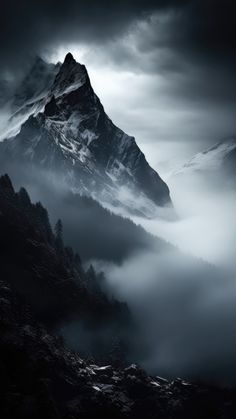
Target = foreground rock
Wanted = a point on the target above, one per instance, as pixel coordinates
(40, 378)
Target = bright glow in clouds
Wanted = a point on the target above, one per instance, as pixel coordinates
(152, 95)
(141, 105)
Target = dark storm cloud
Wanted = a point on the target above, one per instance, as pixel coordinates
(193, 39)
(208, 28)
(182, 37)
(28, 26)
(198, 29)
(189, 43)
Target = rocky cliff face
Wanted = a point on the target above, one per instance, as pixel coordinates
(73, 136)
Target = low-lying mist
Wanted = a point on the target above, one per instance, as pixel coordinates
(185, 301)
(186, 311)
(206, 224)
(92, 230)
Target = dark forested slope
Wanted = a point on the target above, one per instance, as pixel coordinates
(48, 275)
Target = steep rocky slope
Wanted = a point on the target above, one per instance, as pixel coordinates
(72, 135)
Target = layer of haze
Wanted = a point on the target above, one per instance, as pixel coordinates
(206, 227)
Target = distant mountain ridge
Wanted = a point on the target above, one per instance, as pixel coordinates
(66, 130)
(25, 97)
(214, 158)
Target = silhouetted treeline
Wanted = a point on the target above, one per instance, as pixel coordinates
(48, 274)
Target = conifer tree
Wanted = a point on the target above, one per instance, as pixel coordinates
(59, 234)
(24, 197)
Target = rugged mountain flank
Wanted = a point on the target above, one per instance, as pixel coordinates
(74, 137)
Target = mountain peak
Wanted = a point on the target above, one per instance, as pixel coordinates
(39, 65)
(36, 82)
(102, 160)
(69, 58)
(71, 76)
(5, 183)
(38, 60)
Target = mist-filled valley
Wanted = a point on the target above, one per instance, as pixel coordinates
(174, 274)
(186, 304)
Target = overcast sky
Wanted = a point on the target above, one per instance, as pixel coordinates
(165, 70)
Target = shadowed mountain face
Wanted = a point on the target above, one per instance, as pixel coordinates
(68, 131)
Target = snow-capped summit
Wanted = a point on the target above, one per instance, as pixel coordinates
(72, 135)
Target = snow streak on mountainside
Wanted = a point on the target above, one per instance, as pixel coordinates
(68, 132)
